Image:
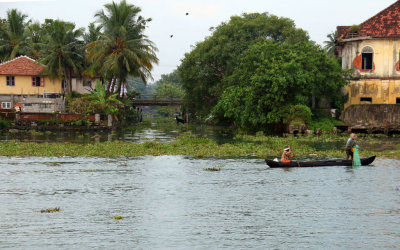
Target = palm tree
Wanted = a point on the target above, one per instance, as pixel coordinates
(34, 36)
(123, 50)
(93, 34)
(330, 44)
(12, 36)
(63, 51)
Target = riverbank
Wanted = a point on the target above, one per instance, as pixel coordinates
(187, 144)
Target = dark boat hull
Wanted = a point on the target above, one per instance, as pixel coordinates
(307, 164)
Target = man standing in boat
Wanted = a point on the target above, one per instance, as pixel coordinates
(350, 145)
(287, 154)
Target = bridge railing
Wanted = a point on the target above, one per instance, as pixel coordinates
(158, 98)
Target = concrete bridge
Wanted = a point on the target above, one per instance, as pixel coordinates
(155, 100)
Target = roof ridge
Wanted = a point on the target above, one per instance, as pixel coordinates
(27, 57)
(380, 12)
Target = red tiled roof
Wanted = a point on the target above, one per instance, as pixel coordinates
(22, 66)
(342, 30)
(385, 24)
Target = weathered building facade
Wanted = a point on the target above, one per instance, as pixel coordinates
(372, 51)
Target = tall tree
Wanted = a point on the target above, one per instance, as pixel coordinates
(34, 36)
(63, 51)
(330, 44)
(12, 36)
(205, 69)
(274, 76)
(123, 50)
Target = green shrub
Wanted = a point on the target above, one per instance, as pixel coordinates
(296, 114)
(4, 124)
(326, 124)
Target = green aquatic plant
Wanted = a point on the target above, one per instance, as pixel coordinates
(118, 217)
(51, 210)
(213, 169)
(87, 171)
(190, 145)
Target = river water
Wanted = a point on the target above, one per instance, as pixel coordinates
(171, 202)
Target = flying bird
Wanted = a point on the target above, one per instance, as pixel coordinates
(171, 36)
(187, 14)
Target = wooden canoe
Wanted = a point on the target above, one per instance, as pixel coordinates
(327, 163)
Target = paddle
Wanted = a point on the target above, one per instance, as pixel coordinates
(298, 164)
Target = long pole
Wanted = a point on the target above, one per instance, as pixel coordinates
(298, 164)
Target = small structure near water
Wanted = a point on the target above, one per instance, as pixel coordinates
(372, 118)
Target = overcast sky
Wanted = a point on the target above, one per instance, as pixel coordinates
(318, 17)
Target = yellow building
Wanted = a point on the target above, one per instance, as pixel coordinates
(372, 51)
(23, 76)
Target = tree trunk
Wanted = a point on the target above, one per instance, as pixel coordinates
(313, 104)
(68, 80)
(108, 85)
(119, 87)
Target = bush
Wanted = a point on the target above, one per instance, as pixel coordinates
(326, 124)
(296, 114)
(354, 29)
(4, 124)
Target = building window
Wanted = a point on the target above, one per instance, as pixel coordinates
(366, 99)
(37, 81)
(6, 105)
(10, 80)
(397, 100)
(367, 58)
(87, 84)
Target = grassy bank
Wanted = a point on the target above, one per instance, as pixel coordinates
(190, 145)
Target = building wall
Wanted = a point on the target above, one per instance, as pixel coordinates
(78, 85)
(381, 91)
(382, 84)
(386, 57)
(23, 86)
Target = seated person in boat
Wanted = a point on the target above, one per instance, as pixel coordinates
(287, 154)
(350, 145)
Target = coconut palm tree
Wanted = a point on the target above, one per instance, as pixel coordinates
(123, 50)
(63, 51)
(34, 36)
(12, 35)
(330, 44)
(93, 33)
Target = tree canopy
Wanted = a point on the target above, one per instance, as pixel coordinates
(205, 69)
(253, 66)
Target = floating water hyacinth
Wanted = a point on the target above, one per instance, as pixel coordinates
(50, 210)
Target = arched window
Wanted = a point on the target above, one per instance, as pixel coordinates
(367, 58)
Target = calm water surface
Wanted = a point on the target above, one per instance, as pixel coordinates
(172, 203)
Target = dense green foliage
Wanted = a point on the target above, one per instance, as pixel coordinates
(254, 66)
(205, 71)
(13, 42)
(116, 46)
(190, 145)
(169, 86)
(4, 124)
(122, 50)
(96, 102)
(63, 51)
(273, 76)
